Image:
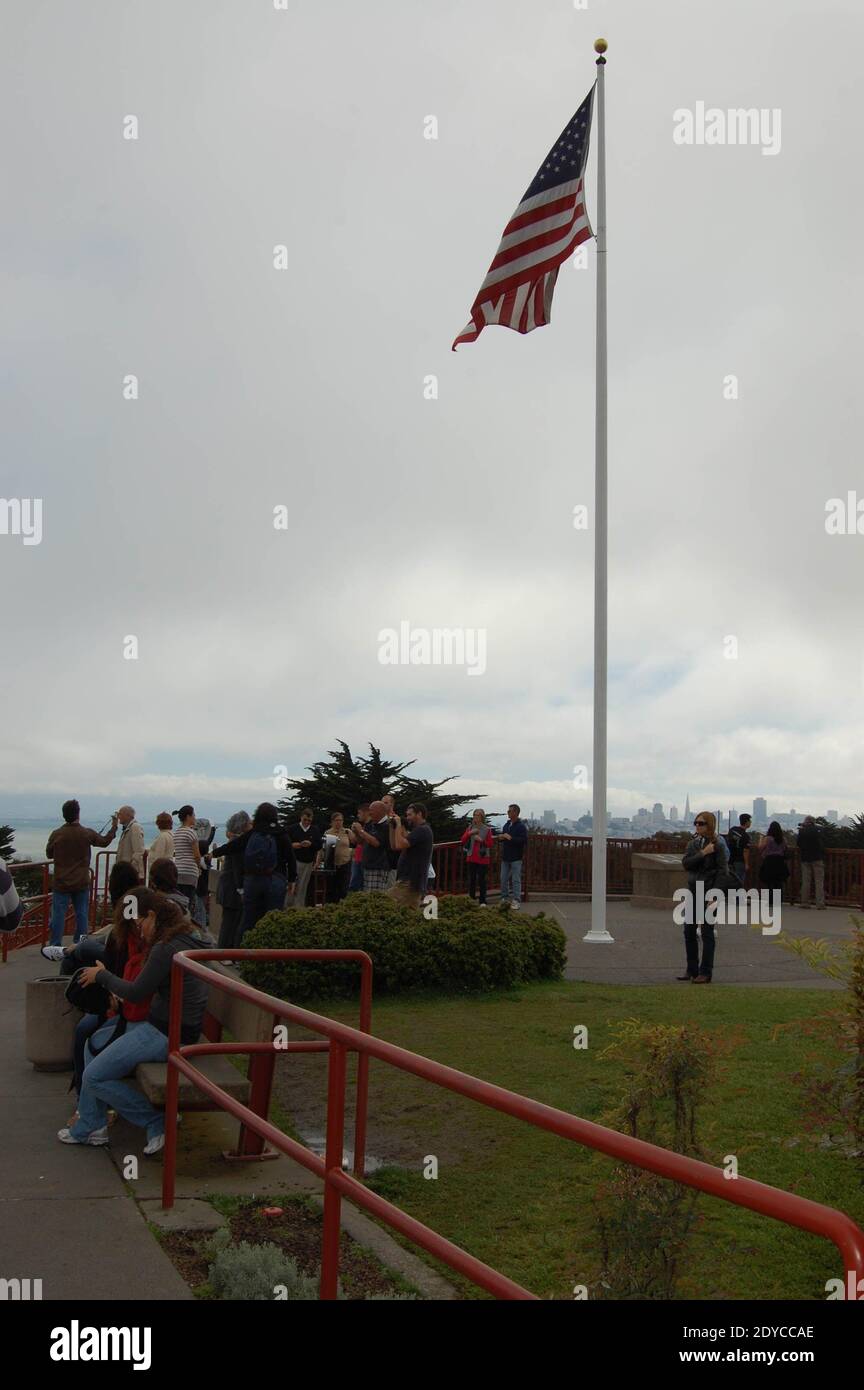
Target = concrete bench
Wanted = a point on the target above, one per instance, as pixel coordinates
(224, 1013)
(655, 879)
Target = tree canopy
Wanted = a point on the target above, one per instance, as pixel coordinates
(341, 782)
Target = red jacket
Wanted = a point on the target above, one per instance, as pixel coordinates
(476, 855)
(136, 954)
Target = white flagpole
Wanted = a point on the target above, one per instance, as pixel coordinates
(598, 931)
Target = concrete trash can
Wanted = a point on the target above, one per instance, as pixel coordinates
(50, 1022)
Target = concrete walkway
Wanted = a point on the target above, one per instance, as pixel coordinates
(66, 1216)
(648, 947)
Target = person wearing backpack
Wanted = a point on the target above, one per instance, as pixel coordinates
(738, 842)
(269, 866)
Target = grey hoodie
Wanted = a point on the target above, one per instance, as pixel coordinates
(155, 979)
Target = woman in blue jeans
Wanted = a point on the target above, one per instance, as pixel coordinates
(166, 931)
(107, 944)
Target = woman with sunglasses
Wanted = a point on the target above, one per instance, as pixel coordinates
(705, 858)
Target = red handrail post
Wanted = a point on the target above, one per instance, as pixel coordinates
(362, 1090)
(262, 1066)
(336, 1073)
(172, 1087)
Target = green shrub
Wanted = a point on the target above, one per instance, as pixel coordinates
(254, 1273)
(465, 950)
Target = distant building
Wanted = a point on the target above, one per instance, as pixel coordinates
(549, 819)
(760, 810)
(833, 816)
(687, 812)
(673, 812)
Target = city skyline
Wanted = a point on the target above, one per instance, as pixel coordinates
(762, 814)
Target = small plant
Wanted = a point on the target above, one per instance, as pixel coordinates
(643, 1219)
(254, 1273)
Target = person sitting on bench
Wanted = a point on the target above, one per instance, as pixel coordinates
(166, 932)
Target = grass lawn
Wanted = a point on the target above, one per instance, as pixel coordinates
(522, 1200)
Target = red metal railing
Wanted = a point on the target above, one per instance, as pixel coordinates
(35, 922)
(562, 864)
(744, 1192)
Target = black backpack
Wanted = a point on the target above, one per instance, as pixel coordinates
(259, 856)
(733, 840)
(90, 999)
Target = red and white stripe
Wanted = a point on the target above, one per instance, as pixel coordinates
(541, 234)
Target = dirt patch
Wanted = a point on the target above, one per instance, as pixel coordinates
(405, 1114)
(297, 1232)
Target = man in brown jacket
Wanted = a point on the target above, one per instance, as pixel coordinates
(69, 847)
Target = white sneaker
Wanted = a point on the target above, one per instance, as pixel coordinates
(154, 1145)
(482, 904)
(97, 1138)
(515, 906)
(53, 952)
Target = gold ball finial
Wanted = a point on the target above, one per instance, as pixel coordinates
(600, 45)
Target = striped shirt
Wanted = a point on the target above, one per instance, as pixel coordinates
(185, 839)
(11, 909)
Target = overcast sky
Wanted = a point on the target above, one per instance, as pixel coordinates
(304, 387)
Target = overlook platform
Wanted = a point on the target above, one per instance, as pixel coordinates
(648, 947)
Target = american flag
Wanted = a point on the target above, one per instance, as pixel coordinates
(547, 226)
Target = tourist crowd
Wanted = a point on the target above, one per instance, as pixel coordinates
(120, 976)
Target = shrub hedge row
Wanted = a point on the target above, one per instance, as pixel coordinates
(464, 950)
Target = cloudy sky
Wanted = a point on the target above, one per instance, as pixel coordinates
(303, 388)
